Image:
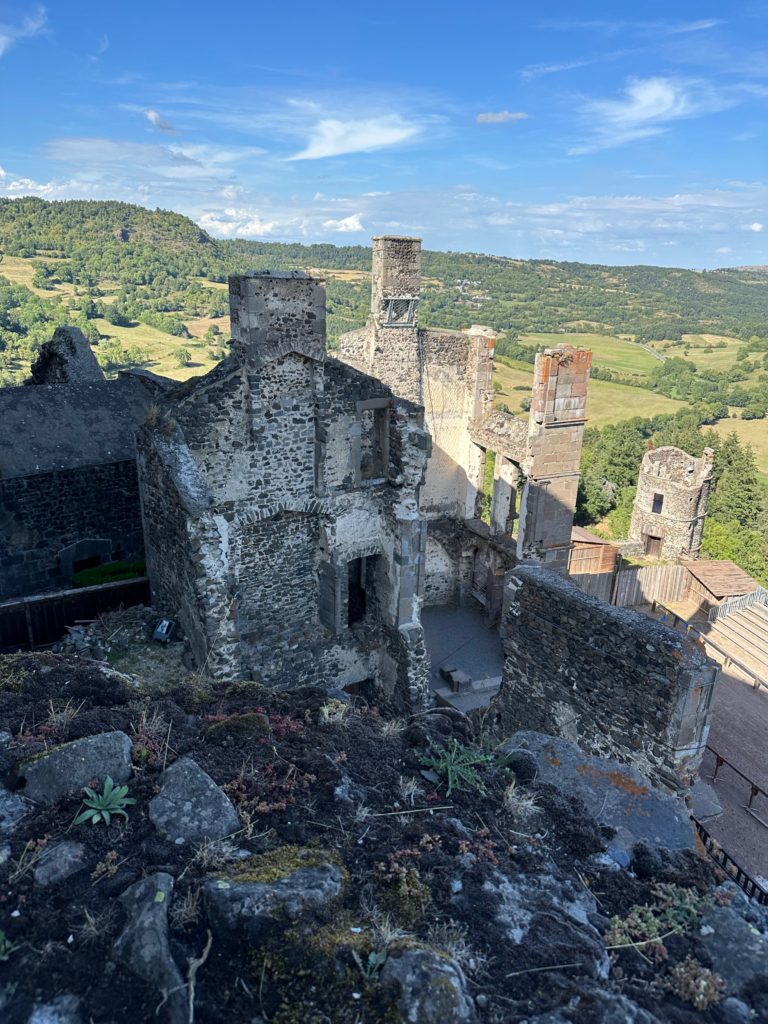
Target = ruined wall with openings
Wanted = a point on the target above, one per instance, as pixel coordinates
(288, 482)
(610, 679)
(670, 504)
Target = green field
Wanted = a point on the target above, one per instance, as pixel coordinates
(606, 402)
(22, 271)
(608, 352)
(715, 359)
(160, 348)
(755, 432)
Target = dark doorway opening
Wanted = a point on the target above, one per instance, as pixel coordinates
(86, 563)
(652, 546)
(358, 601)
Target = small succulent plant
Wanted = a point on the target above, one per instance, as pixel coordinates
(101, 806)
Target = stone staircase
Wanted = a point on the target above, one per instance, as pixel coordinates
(744, 634)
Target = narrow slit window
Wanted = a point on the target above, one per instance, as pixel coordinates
(658, 503)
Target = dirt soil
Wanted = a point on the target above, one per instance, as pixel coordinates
(306, 771)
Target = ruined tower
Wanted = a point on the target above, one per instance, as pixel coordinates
(671, 502)
(536, 467)
(555, 433)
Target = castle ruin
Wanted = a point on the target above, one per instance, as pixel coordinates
(671, 502)
(280, 503)
(536, 465)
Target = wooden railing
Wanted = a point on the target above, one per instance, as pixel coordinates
(745, 881)
(731, 605)
(728, 659)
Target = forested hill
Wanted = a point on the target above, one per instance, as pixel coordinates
(152, 258)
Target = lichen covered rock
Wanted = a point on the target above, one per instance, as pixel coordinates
(68, 768)
(190, 807)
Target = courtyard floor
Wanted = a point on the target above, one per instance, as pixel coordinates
(458, 638)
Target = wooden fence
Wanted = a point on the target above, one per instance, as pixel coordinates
(596, 584)
(32, 622)
(636, 584)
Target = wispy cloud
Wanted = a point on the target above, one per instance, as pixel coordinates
(613, 26)
(345, 224)
(33, 25)
(135, 158)
(157, 121)
(101, 49)
(646, 108)
(536, 70)
(331, 137)
(754, 226)
(501, 116)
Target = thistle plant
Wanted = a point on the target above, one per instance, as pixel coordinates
(456, 764)
(101, 806)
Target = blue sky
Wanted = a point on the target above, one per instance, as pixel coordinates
(569, 131)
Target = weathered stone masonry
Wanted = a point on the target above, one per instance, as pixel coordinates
(450, 373)
(671, 502)
(68, 485)
(612, 680)
(280, 506)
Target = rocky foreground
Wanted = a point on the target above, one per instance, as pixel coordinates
(298, 858)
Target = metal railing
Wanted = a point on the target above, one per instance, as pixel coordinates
(745, 881)
(731, 605)
(754, 789)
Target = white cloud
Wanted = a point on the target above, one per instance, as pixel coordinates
(501, 116)
(32, 25)
(2, 173)
(157, 121)
(331, 137)
(346, 224)
(646, 108)
(236, 223)
(754, 226)
(724, 249)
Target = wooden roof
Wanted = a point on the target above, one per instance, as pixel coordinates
(581, 536)
(722, 578)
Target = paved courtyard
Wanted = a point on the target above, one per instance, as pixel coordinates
(458, 638)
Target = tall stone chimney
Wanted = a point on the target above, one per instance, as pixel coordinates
(395, 281)
(274, 312)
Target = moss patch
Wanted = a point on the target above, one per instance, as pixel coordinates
(279, 863)
(238, 728)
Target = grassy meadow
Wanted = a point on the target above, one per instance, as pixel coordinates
(606, 402)
(608, 351)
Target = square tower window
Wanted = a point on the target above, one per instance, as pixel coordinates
(658, 504)
(399, 312)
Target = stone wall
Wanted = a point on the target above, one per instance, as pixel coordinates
(50, 520)
(617, 683)
(671, 502)
(271, 481)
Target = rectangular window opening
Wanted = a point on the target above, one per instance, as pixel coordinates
(358, 599)
(399, 312)
(374, 443)
(658, 503)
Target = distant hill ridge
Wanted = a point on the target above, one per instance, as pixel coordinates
(137, 247)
